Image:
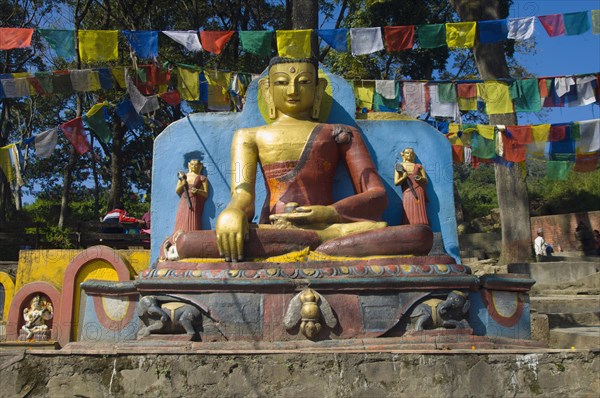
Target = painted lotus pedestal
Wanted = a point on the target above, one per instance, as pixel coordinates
(329, 256)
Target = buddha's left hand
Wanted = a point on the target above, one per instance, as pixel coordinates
(304, 215)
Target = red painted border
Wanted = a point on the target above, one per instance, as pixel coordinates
(104, 253)
(106, 321)
(22, 298)
(486, 295)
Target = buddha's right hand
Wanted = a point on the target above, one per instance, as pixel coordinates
(232, 230)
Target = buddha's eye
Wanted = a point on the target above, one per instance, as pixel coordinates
(281, 82)
(305, 81)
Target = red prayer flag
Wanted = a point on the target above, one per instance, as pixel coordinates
(543, 87)
(557, 133)
(35, 83)
(171, 98)
(15, 38)
(398, 38)
(476, 162)
(214, 40)
(553, 24)
(458, 154)
(521, 134)
(586, 163)
(73, 130)
(466, 90)
(513, 151)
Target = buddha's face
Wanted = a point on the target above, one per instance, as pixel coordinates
(195, 166)
(408, 155)
(292, 87)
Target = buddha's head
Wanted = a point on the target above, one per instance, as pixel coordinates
(293, 88)
(195, 166)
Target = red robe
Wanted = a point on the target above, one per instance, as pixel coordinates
(414, 211)
(190, 219)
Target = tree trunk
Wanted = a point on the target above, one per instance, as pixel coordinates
(116, 165)
(511, 187)
(66, 189)
(305, 15)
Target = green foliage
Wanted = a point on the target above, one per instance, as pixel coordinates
(57, 238)
(477, 190)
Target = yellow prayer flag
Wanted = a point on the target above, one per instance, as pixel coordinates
(461, 34)
(5, 163)
(462, 139)
(364, 92)
(98, 45)
(486, 131)
(218, 78)
(94, 81)
(540, 132)
(496, 96)
(219, 83)
(119, 75)
(596, 22)
(95, 109)
(294, 43)
(188, 84)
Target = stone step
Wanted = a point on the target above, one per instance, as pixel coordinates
(564, 320)
(556, 273)
(565, 304)
(586, 284)
(584, 337)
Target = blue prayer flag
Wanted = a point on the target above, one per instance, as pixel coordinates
(128, 114)
(492, 31)
(336, 38)
(105, 76)
(144, 43)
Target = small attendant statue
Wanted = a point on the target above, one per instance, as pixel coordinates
(192, 187)
(414, 181)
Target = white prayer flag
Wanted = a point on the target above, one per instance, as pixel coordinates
(585, 91)
(521, 28)
(141, 103)
(15, 88)
(414, 98)
(386, 88)
(365, 40)
(589, 132)
(187, 38)
(442, 109)
(46, 142)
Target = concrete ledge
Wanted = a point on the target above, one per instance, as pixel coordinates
(553, 273)
(417, 374)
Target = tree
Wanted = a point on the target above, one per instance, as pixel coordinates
(511, 187)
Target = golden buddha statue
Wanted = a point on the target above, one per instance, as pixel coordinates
(299, 157)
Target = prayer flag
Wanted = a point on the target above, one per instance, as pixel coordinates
(387, 96)
(589, 131)
(557, 170)
(467, 96)
(106, 81)
(187, 38)
(584, 91)
(496, 96)
(540, 132)
(596, 22)
(461, 34)
(35, 84)
(492, 31)
(486, 131)
(45, 80)
(98, 45)
(188, 84)
(431, 36)
(15, 38)
(553, 24)
(61, 81)
(85, 80)
(513, 151)
(521, 28)
(171, 97)
(558, 132)
(294, 43)
(482, 147)
(415, 98)
(6, 163)
(365, 40)
(96, 122)
(118, 73)
(214, 41)
(398, 38)
(61, 41)
(442, 109)
(576, 23)
(219, 84)
(46, 142)
(15, 88)
(74, 132)
(586, 162)
(336, 38)
(141, 103)
(447, 92)
(520, 134)
(128, 115)
(143, 43)
(526, 95)
(257, 42)
(364, 92)
(458, 154)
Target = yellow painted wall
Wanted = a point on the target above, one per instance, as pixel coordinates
(95, 269)
(50, 265)
(9, 292)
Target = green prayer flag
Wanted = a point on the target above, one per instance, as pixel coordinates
(382, 104)
(557, 169)
(98, 125)
(575, 131)
(431, 36)
(257, 42)
(61, 41)
(526, 95)
(482, 148)
(45, 79)
(576, 23)
(447, 92)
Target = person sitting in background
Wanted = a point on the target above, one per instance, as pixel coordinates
(146, 221)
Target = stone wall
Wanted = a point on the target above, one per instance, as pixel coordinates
(319, 374)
